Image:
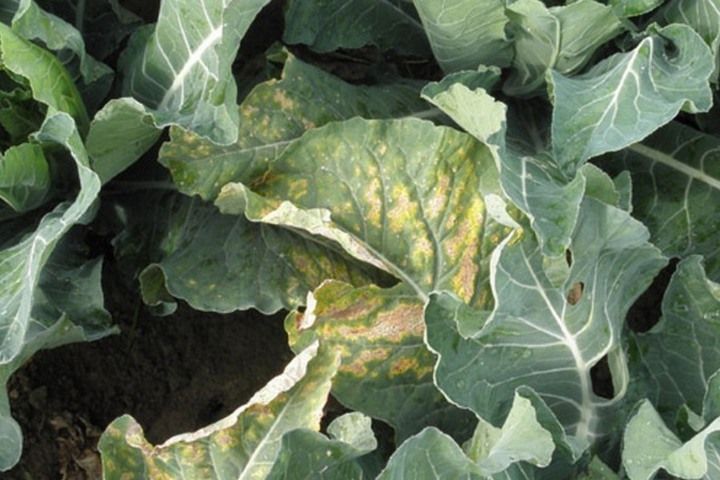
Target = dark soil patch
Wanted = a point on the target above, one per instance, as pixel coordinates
(173, 374)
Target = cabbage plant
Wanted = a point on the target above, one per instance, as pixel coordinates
(457, 227)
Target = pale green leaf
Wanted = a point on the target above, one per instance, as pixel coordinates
(629, 95)
(676, 187)
(466, 33)
(310, 455)
(326, 25)
(552, 339)
(275, 114)
(633, 8)
(430, 455)
(386, 370)
(521, 438)
(49, 81)
(649, 446)
(24, 177)
(703, 16)
(242, 446)
(92, 77)
(183, 71)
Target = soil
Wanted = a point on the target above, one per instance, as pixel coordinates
(173, 374)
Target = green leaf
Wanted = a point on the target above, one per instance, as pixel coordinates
(551, 339)
(703, 16)
(49, 81)
(522, 438)
(119, 134)
(676, 183)
(563, 38)
(307, 454)
(24, 177)
(680, 351)
(224, 263)
(633, 8)
(386, 370)
(411, 202)
(328, 25)
(626, 97)
(466, 33)
(182, 72)
(104, 24)
(597, 470)
(27, 323)
(430, 455)
(275, 114)
(92, 77)
(243, 445)
(648, 446)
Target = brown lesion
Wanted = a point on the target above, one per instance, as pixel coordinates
(575, 293)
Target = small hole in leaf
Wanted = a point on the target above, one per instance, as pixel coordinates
(602, 379)
(568, 257)
(575, 293)
(647, 309)
(301, 309)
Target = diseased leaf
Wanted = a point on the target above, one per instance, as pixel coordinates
(244, 445)
(224, 263)
(629, 95)
(466, 33)
(676, 187)
(552, 338)
(275, 114)
(648, 446)
(326, 25)
(411, 201)
(681, 351)
(182, 72)
(386, 370)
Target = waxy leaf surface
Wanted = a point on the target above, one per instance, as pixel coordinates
(629, 95)
(551, 339)
(676, 189)
(182, 70)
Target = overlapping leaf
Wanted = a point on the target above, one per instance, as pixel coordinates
(182, 69)
(676, 184)
(466, 33)
(224, 263)
(629, 95)
(650, 446)
(681, 352)
(275, 114)
(332, 24)
(551, 339)
(241, 446)
(27, 323)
